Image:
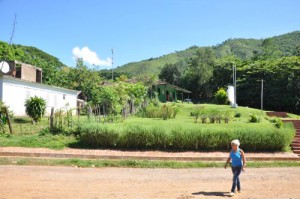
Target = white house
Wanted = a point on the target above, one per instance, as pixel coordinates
(14, 92)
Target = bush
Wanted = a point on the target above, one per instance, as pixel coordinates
(35, 108)
(254, 118)
(221, 96)
(198, 111)
(278, 122)
(238, 115)
(165, 111)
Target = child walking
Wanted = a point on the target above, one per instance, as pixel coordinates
(238, 162)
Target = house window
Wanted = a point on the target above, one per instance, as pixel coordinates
(158, 90)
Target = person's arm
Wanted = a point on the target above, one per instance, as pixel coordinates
(243, 158)
(228, 160)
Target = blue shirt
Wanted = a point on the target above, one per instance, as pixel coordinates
(236, 158)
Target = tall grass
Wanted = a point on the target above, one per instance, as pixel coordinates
(139, 137)
(98, 135)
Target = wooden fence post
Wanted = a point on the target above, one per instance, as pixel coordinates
(8, 120)
(52, 118)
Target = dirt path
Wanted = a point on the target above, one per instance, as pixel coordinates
(67, 182)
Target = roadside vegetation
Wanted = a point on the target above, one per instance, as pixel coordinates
(182, 132)
(137, 163)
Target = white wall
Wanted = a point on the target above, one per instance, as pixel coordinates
(15, 92)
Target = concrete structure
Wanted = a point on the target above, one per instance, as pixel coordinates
(23, 81)
(14, 92)
(24, 71)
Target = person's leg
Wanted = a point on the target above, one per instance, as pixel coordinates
(236, 181)
(238, 184)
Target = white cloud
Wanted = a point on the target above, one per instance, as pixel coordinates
(90, 57)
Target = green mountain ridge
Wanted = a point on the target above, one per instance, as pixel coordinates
(285, 45)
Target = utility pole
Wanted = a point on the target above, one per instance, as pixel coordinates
(4, 65)
(234, 105)
(262, 94)
(112, 64)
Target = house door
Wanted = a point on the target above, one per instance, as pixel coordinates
(167, 96)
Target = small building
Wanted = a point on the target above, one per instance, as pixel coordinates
(170, 93)
(24, 81)
(24, 71)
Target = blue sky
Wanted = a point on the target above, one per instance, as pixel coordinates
(139, 29)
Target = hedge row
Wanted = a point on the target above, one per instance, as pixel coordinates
(138, 137)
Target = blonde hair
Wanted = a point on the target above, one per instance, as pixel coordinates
(235, 142)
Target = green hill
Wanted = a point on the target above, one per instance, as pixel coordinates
(283, 45)
(154, 65)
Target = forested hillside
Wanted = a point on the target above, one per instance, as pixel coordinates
(201, 70)
(278, 46)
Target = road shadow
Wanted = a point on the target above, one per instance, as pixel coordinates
(209, 193)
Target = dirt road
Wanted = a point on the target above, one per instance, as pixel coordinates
(68, 182)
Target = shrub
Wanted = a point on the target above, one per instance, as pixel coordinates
(203, 119)
(35, 108)
(254, 118)
(221, 96)
(3, 112)
(199, 110)
(175, 111)
(212, 115)
(238, 115)
(166, 112)
(278, 123)
(151, 111)
(155, 102)
(227, 116)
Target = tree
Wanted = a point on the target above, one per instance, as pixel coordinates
(84, 80)
(297, 51)
(270, 50)
(6, 51)
(222, 74)
(171, 73)
(199, 72)
(280, 76)
(107, 97)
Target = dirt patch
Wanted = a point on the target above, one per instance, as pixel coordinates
(68, 182)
